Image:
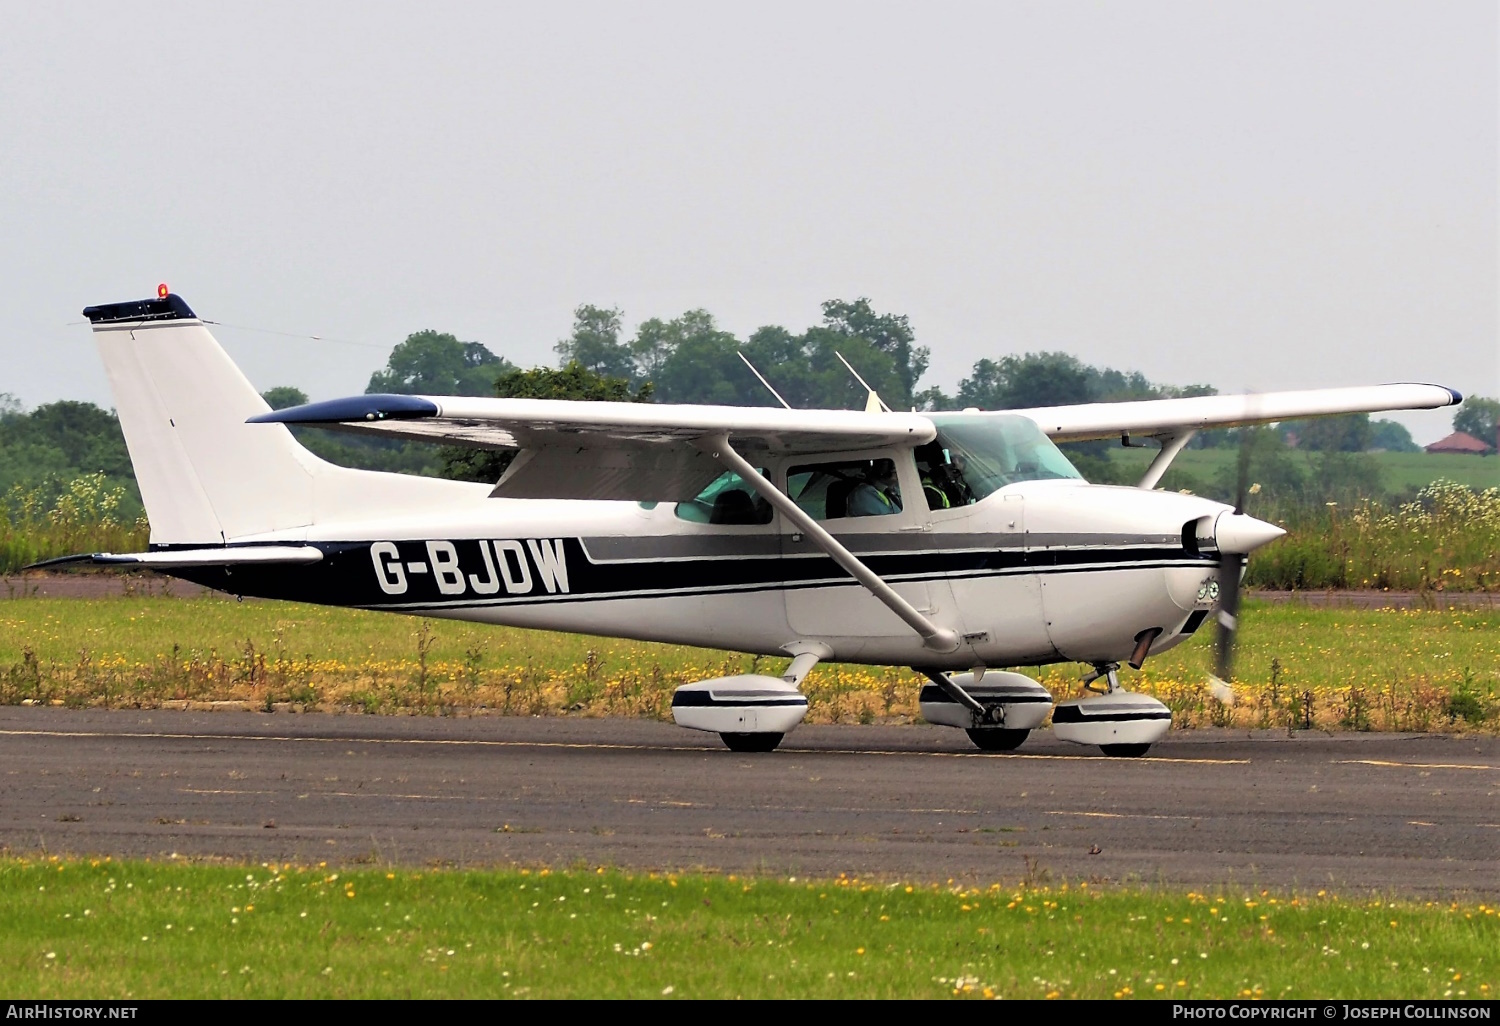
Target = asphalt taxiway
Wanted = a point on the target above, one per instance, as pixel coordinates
(1409, 814)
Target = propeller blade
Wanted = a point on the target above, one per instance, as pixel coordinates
(1229, 613)
(1231, 567)
(1242, 479)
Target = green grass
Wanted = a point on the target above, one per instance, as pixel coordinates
(114, 930)
(1435, 669)
(1400, 471)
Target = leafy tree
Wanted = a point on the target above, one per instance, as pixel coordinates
(1350, 432)
(1108, 385)
(437, 363)
(829, 382)
(1477, 417)
(595, 343)
(88, 437)
(45, 449)
(284, 397)
(571, 382)
(782, 357)
(691, 360)
(1346, 477)
(654, 343)
(694, 361)
(890, 334)
(933, 400)
(1020, 382)
(1272, 466)
(1392, 437)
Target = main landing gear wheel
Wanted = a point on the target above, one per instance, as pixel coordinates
(1125, 751)
(762, 742)
(996, 739)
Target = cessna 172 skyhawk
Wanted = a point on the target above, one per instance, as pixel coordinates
(948, 542)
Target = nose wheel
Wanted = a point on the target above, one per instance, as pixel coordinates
(759, 742)
(1123, 724)
(996, 739)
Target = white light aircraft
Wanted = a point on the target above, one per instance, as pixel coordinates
(948, 542)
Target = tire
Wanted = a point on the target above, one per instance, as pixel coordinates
(997, 739)
(1125, 751)
(752, 742)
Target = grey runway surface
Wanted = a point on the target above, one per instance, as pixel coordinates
(1416, 814)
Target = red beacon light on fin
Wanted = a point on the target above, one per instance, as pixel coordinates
(162, 292)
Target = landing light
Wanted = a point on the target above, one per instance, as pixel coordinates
(162, 292)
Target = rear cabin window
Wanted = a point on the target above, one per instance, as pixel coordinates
(727, 500)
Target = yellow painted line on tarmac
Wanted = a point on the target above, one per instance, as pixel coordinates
(1115, 815)
(124, 734)
(481, 743)
(1022, 755)
(1411, 765)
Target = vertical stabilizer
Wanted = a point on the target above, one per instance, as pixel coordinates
(206, 476)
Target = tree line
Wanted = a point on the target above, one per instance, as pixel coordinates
(691, 359)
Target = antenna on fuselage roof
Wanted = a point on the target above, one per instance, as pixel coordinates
(874, 404)
(763, 380)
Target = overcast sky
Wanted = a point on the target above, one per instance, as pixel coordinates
(1255, 195)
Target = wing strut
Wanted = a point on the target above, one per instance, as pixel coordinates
(1170, 447)
(958, 694)
(939, 639)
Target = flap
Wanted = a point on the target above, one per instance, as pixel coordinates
(658, 473)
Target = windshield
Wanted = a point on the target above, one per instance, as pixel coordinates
(975, 456)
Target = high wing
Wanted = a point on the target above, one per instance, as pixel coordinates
(607, 450)
(644, 451)
(1168, 417)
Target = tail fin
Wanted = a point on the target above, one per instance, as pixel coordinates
(206, 476)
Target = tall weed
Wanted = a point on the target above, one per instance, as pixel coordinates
(1447, 539)
(85, 517)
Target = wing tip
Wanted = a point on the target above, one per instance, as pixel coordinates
(352, 409)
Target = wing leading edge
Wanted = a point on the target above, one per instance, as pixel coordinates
(1167, 417)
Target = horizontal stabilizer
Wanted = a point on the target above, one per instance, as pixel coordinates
(171, 559)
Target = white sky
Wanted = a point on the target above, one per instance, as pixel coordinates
(1257, 195)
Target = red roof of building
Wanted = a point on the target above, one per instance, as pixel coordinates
(1458, 442)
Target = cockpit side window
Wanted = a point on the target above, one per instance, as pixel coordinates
(726, 500)
(942, 474)
(850, 488)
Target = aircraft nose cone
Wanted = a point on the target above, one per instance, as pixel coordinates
(1236, 532)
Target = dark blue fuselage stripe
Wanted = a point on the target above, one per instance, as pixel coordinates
(346, 576)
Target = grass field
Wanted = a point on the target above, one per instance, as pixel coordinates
(1297, 666)
(1400, 471)
(115, 930)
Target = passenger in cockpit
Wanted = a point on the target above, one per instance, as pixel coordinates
(877, 494)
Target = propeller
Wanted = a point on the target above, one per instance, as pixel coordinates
(1231, 570)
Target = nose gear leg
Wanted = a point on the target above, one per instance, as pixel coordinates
(1111, 674)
